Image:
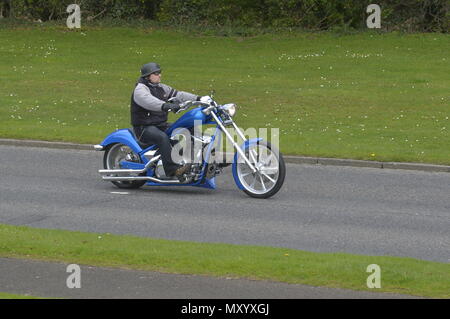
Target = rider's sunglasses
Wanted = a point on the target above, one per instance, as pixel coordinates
(156, 73)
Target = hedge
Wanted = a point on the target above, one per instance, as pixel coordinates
(407, 15)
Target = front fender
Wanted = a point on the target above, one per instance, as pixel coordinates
(123, 136)
(244, 146)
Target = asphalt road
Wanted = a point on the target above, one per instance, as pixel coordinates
(320, 208)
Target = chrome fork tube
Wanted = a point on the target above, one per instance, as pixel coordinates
(241, 135)
(230, 138)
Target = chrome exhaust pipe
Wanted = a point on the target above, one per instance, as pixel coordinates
(121, 171)
(129, 171)
(135, 171)
(140, 178)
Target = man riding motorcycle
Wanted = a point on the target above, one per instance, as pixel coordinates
(149, 112)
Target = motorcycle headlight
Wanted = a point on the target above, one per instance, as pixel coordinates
(230, 108)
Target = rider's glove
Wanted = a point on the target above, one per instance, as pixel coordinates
(169, 106)
(205, 99)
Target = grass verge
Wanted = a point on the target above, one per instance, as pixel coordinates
(365, 96)
(4, 295)
(338, 270)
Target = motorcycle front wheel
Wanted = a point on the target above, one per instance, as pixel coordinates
(114, 154)
(269, 178)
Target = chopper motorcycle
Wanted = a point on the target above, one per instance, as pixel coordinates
(258, 167)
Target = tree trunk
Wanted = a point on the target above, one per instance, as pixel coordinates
(10, 8)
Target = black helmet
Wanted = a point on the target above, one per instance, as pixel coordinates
(149, 68)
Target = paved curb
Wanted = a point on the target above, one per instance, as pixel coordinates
(34, 143)
(361, 163)
(287, 158)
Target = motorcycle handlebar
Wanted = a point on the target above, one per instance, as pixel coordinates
(185, 105)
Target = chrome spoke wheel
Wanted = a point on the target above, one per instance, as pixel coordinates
(265, 160)
(114, 155)
(119, 153)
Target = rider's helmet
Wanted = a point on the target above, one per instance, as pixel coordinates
(149, 68)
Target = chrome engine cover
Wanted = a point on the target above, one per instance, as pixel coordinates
(159, 170)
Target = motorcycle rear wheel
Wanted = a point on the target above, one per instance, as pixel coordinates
(114, 154)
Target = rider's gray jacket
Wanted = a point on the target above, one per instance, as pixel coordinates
(147, 100)
(144, 98)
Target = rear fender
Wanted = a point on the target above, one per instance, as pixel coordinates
(123, 136)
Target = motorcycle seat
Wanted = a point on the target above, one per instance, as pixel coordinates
(141, 144)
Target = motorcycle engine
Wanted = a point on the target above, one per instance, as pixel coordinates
(186, 155)
(211, 170)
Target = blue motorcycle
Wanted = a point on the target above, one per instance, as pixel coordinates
(258, 167)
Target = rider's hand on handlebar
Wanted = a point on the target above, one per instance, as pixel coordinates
(170, 106)
(206, 99)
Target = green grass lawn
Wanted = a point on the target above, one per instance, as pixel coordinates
(369, 96)
(339, 270)
(4, 295)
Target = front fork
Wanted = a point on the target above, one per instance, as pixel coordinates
(235, 145)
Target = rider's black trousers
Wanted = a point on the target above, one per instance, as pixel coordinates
(155, 134)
